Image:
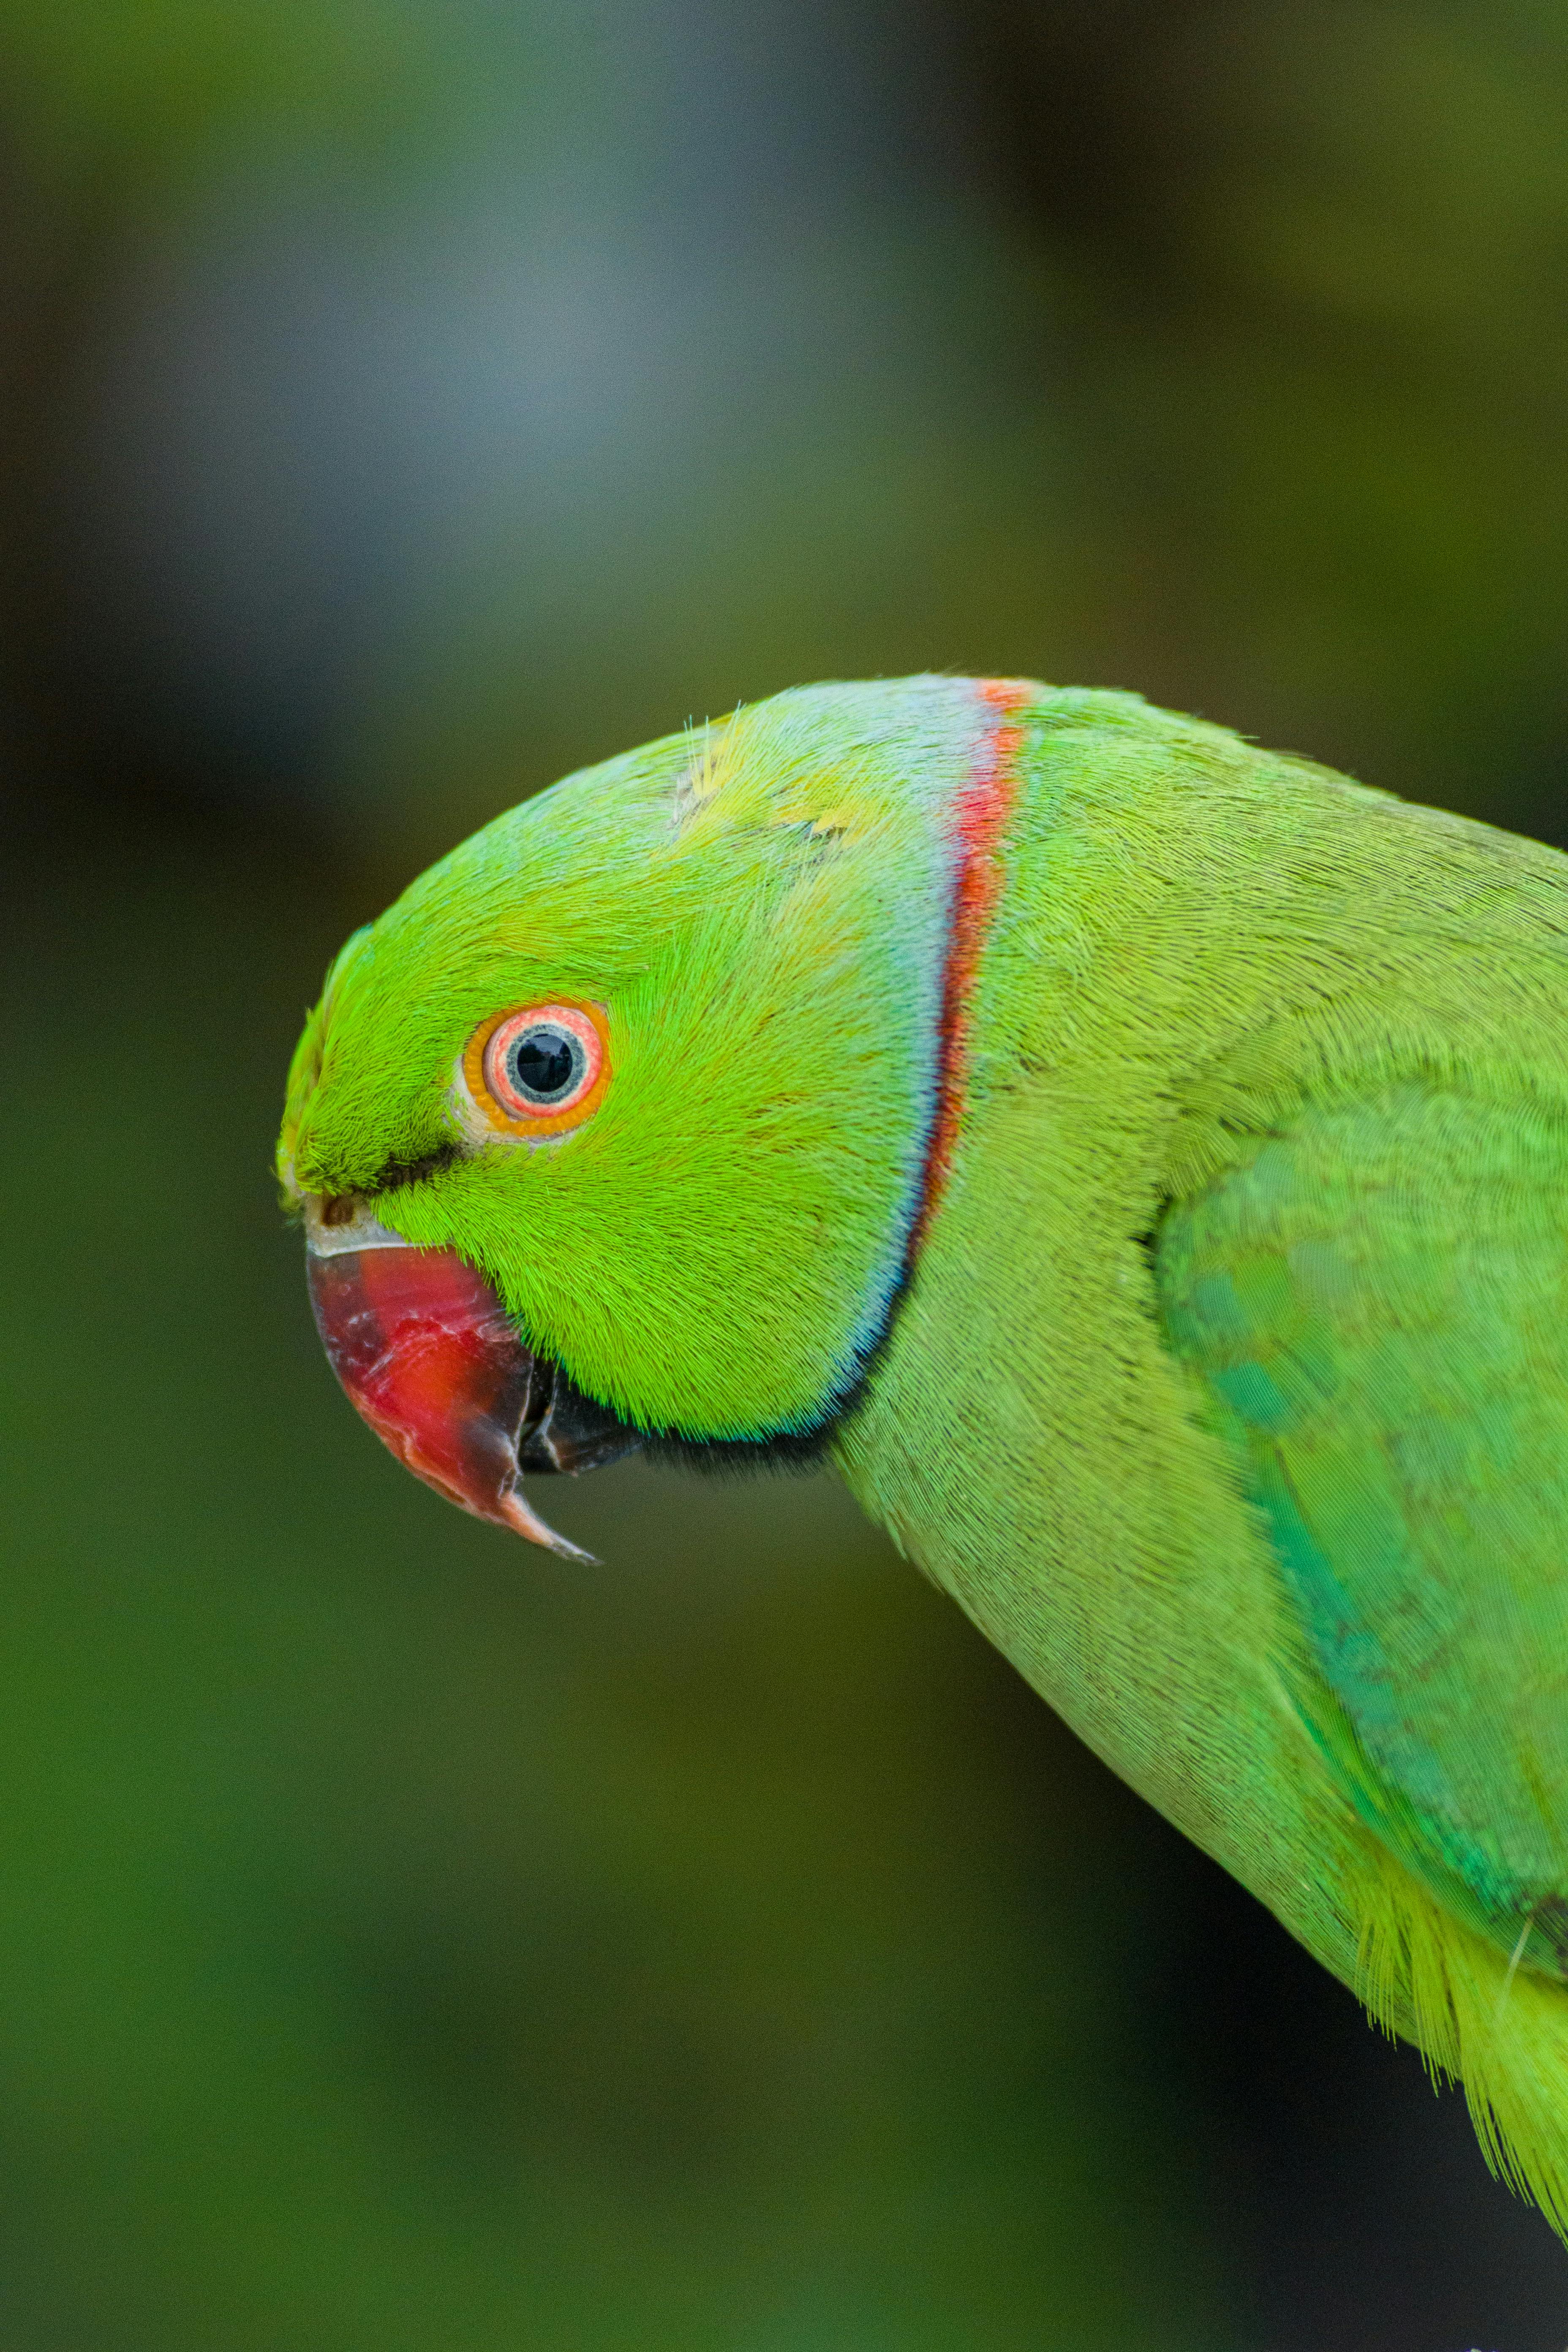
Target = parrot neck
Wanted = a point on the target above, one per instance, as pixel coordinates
(980, 819)
(978, 826)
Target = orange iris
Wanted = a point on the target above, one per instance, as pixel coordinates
(539, 1070)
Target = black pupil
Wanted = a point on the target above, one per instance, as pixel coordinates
(545, 1063)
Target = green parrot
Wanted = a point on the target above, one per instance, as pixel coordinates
(1137, 1160)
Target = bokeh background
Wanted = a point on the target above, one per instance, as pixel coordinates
(411, 1945)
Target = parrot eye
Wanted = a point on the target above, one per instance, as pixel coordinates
(539, 1071)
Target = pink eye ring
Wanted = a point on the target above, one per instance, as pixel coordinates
(541, 1069)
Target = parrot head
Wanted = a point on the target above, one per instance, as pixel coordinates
(618, 1127)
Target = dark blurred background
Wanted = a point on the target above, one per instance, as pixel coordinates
(411, 1945)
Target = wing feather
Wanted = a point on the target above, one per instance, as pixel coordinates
(1377, 1303)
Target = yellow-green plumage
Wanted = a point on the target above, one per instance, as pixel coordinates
(1264, 1193)
(1227, 1384)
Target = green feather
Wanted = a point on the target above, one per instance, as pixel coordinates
(1222, 1296)
(1380, 1302)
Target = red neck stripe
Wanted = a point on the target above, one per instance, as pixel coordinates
(979, 819)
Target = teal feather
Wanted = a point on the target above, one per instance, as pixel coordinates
(1378, 1303)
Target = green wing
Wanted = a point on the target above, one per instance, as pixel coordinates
(1377, 1301)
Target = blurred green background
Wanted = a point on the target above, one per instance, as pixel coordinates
(409, 1942)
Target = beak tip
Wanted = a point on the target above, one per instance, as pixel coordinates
(526, 1521)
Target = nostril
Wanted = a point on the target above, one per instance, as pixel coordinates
(337, 1209)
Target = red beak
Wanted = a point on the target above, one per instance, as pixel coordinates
(428, 1356)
